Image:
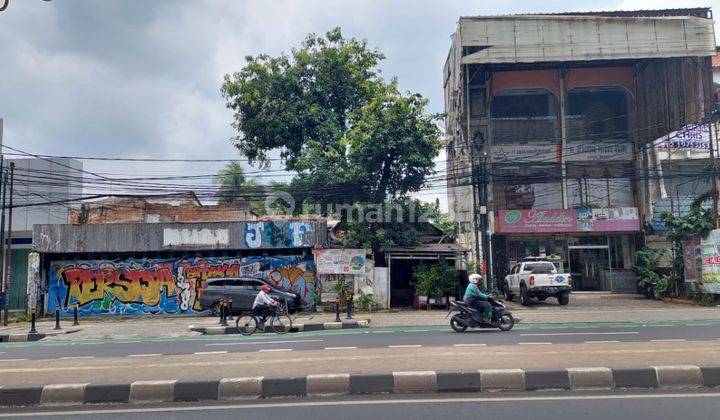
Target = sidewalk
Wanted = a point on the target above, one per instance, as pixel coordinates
(583, 308)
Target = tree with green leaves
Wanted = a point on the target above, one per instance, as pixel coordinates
(347, 134)
(233, 187)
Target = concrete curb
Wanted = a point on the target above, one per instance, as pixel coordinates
(219, 330)
(17, 338)
(658, 377)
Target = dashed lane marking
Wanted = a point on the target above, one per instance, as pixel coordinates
(469, 345)
(210, 352)
(601, 342)
(404, 346)
(668, 340)
(247, 343)
(587, 333)
(76, 357)
(144, 355)
(340, 348)
(12, 360)
(534, 344)
(272, 350)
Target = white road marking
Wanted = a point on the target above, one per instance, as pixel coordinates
(271, 350)
(246, 343)
(601, 342)
(211, 352)
(404, 346)
(534, 344)
(469, 345)
(413, 401)
(668, 340)
(144, 355)
(76, 357)
(340, 348)
(12, 360)
(587, 333)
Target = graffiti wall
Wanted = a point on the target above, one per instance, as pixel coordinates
(136, 286)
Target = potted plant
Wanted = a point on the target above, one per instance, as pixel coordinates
(424, 282)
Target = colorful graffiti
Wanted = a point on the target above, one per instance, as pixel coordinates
(134, 286)
(277, 235)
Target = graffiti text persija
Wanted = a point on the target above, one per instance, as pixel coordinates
(144, 285)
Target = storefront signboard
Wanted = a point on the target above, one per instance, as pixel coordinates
(597, 151)
(540, 221)
(340, 261)
(710, 251)
(525, 153)
(621, 219)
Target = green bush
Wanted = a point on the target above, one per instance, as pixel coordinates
(436, 281)
(365, 301)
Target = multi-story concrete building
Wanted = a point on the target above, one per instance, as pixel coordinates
(550, 127)
(43, 191)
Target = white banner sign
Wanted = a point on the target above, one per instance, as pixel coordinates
(525, 153)
(599, 151)
(340, 261)
(692, 136)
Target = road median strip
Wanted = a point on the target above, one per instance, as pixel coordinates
(494, 380)
(320, 326)
(22, 337)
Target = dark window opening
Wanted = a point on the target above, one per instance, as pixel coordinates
(527, 115)
(597, 114)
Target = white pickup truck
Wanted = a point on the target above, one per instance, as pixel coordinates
(537, 279)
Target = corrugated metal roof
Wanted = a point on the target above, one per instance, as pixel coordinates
(528, 39)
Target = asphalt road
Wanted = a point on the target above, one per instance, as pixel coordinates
(555, 406)
(353, 339)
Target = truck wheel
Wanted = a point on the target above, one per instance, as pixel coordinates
(524, 297)
(564, 299)
(508, 295)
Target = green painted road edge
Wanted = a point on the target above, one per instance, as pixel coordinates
(371, 330)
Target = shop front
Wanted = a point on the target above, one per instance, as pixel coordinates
(595, 245)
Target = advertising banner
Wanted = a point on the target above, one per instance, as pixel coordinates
(525, 153)
(340, 261)
(540, 221)
(621, 219)
(597, 151)
(692, 136)
(710, 251)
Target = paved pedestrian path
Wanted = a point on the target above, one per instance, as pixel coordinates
(583, 309)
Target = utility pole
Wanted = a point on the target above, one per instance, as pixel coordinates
(2, 237)
(8, 250)
(714, 210)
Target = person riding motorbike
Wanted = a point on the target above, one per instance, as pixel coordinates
(476, 299)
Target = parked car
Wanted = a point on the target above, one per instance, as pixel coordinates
(242, 291)
(537, 279)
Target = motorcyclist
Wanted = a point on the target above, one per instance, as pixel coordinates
(476, 299)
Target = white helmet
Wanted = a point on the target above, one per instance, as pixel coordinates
(475, 278)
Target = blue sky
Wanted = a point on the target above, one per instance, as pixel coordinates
(142, 78)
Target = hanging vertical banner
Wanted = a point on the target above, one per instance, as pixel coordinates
(710, 251)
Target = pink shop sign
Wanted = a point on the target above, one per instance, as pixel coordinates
(540, 221)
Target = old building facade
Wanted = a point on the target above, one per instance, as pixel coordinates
(550, 127)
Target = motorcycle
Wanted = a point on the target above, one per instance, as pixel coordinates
(469, 317)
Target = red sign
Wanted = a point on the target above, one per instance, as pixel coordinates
(619, 219)
(540, 221)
